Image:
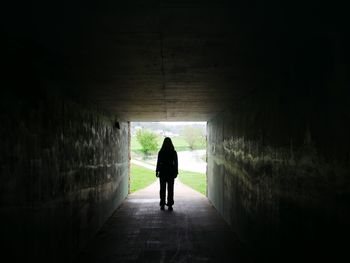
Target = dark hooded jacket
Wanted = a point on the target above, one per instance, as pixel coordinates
(167, 164)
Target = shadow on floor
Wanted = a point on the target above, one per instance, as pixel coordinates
(140, 232)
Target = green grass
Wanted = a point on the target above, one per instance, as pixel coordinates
(179, 143)
(196, 181)
(140, 177)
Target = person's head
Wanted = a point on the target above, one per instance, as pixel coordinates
(167, 145)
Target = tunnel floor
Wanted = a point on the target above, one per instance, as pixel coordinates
(139, 231)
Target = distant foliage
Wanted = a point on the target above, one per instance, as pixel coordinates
(147, 140)
(193, 136)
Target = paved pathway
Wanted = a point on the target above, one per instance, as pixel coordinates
(140, 232)
(143, 164)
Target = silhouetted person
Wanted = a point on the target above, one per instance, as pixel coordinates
(167, 170)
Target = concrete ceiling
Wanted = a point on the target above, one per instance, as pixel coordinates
(159, 60)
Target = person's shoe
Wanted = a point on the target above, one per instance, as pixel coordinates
(170, 208)
(162, 207)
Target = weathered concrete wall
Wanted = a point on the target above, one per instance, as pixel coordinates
(64, 170)
(279, 161)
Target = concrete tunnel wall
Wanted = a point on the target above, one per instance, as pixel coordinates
(64, 170)
(278, 161)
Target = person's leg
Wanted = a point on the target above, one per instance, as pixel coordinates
(170, 182)
(162, 191)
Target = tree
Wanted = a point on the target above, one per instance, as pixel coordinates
(192, 135)
(147, 140)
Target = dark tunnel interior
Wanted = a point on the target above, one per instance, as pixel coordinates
(270, 78)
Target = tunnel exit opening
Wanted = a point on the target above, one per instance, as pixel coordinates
(189, 140)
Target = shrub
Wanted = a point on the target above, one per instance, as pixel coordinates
(193, 136)
(147, 140)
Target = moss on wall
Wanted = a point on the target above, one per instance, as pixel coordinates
(64, 170)
(279, 159)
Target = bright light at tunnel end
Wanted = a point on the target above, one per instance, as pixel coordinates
(182, 123)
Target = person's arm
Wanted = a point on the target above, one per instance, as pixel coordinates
(176, 164)
(158, 165)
